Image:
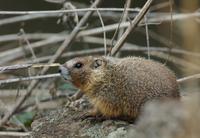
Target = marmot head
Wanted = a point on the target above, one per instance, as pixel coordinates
(83, 71)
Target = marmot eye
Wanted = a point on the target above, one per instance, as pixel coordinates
(78, 65)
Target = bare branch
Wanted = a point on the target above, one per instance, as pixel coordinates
(192, 77)
(24, 66)
(14, 67)
(131, 27)
(29, 78)
(24, 37)
(104, 32)
(147, 34)
(125, 16)
(64, 11)
(153, 17)
(14, 134)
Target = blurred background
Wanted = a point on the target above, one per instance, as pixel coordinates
(171, 29)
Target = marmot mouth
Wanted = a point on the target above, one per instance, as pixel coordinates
(64, 73)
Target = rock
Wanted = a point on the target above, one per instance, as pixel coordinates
(119, 133)
(166, 119)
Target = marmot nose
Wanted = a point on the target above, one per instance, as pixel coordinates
(63, 70)
(64, 73)
(60, 70)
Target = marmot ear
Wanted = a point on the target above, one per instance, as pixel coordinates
(97, 63)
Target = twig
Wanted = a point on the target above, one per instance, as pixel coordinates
(131, 27)
(29, 78)
(104, 32)
(24, 37)
(63, 11)
(14, 67)
(125, 16)
(192, 77)
(33, 36)
(147, 34)
(14, 134)
(117, 29)
(58, 53)
(153, 17)
(176, 17)
(171, 23)
(5, 93)
(24, 66)
(22, 18)
(114, 15)
(122, 19)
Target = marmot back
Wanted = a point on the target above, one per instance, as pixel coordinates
(120, 87)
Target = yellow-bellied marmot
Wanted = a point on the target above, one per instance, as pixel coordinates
(119, 87)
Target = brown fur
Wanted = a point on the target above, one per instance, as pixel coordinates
(120, 87)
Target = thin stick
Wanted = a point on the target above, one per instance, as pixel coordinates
(24, 66)
(123, 19)
(192, 77)
(131, 27)
(153, 20)
(29, 78)
(14, 67)
(114, 15)
(147, 34)
(24, 37)
(104, 32)
(22, 18)
(63, 11)
(117, 29)
(33, 36)
(125, 16)
(171, 23)
(58, 53)
(14, 134)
